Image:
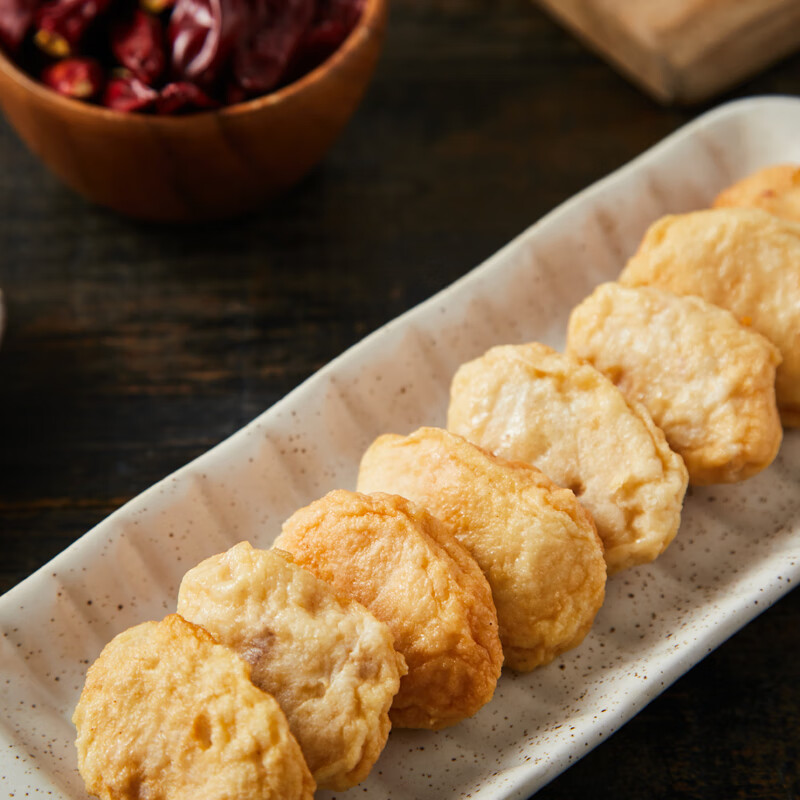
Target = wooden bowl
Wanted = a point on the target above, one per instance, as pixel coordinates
(209, 165)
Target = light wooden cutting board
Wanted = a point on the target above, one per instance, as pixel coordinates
(684, 51)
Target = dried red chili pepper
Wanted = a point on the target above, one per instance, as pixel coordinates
(16, 17)
(202, 34)
(138, 45)
(62, 23)
(125, 92)
(225, 49)
(333, 22)
(276, 30)
(183, 96)
(81, 78)
(346, 13)
(235, 94)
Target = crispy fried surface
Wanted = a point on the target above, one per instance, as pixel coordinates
(168, 714)
(536, 544)
(411, 572)
(327, 661)
(530, 403)
(707, 381)
(742, 259)
(775, 189)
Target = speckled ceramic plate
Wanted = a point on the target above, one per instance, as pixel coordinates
(738, 549)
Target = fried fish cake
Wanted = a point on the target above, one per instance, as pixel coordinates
(775, 189)
(530, 403)
(535, 543)
(411, 572)
(167, 713)
(707, 381)
(328, 662)
(742, 259)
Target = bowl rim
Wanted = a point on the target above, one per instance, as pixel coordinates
(367, 23)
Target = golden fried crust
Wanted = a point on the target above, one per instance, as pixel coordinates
(775, 189)
(329, 663)
(742, 259)
(707, 381)
(536, 544)
(411, 572)
(530, 403)
(169, 714)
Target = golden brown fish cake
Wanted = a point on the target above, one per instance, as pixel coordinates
(328, 662)
(530, 403)
(169, 714)
(535, 543)
(411, 572)
(775, 189)
(707, 381)
(742, 259)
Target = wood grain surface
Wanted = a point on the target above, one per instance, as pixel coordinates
(684, 51)
(131, 348)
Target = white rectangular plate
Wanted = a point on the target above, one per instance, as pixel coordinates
(737, 552)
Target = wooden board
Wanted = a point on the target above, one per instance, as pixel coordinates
(684, 51)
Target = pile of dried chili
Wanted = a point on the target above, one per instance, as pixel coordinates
(172, 56)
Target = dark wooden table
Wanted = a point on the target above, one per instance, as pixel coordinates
(132, 348)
